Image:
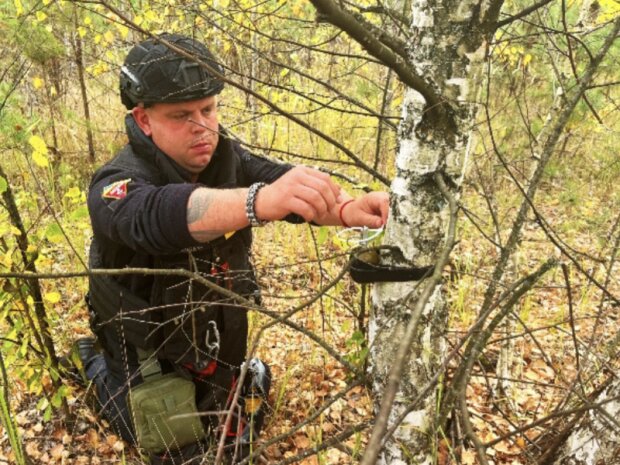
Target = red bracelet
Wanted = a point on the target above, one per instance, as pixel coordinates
(344, 223)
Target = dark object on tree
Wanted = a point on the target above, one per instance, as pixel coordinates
(154, 73)
(363, 271)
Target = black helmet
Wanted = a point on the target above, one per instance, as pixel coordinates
(153, 73)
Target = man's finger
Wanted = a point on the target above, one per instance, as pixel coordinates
(324, 189)
(314, 198)
(324, 179)
(303, 208)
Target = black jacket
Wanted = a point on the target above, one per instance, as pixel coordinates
(137, 203)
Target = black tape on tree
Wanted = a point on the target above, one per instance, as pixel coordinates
(364, 272)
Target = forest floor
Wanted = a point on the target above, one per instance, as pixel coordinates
(305, 375)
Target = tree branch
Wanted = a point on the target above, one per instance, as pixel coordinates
(233, 296)
(522, 13)
(359, 32)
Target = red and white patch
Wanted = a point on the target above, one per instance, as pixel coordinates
(117, 190)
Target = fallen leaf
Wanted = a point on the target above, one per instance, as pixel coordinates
(56, 451)
(468, 457)
(302, 442)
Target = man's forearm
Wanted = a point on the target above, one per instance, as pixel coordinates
(211, 213)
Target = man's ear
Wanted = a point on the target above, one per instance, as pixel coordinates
(142, 119)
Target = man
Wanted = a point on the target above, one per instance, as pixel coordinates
(183, 195)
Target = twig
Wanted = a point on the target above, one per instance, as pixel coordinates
(571, 314)
(475, 349)
(328, 403)
(238, 299)
(522, 13)
(326, 444)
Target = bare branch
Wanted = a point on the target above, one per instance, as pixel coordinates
(522, 13)
(344, 20)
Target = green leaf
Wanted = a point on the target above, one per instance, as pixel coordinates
(42, 404)
(47, 416)
(23, 349)
(73, 193)
(53, 233)
(3, 185)
(80, 213)
(57, 399)
(322, 235)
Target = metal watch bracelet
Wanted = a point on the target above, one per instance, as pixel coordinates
(250, 204)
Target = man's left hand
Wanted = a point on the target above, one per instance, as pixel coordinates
(370, 210)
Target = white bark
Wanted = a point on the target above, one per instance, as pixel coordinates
(597, 438)
(442, 52)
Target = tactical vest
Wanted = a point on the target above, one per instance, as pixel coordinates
(183, 320)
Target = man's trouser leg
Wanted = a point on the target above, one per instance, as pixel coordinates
(111, 389)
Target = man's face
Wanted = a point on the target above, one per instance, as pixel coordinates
(187, 131)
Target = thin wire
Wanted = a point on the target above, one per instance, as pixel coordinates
(366, 234)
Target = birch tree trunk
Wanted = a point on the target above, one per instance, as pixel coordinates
(596, 440)
(447, 48)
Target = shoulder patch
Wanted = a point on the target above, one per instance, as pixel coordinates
(117, 190)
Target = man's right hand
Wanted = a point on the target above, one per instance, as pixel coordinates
(304, 191)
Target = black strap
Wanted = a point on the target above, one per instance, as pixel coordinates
(363, 272)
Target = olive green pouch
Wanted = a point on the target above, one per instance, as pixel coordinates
(164, 411)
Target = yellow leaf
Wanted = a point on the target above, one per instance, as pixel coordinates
(73, 192)
(108, 37)
(138, 20)
(30, 300)
(47, 2)
(40, 16)
(151, 15)
(7, 260)
(38, 144)
(87, 20)
(81, 31)
(98, 68)
(37, 82)
(19, 8)
(122, 30)
(40, 159)
(52, 297)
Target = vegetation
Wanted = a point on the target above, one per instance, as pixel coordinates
(302, 91)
